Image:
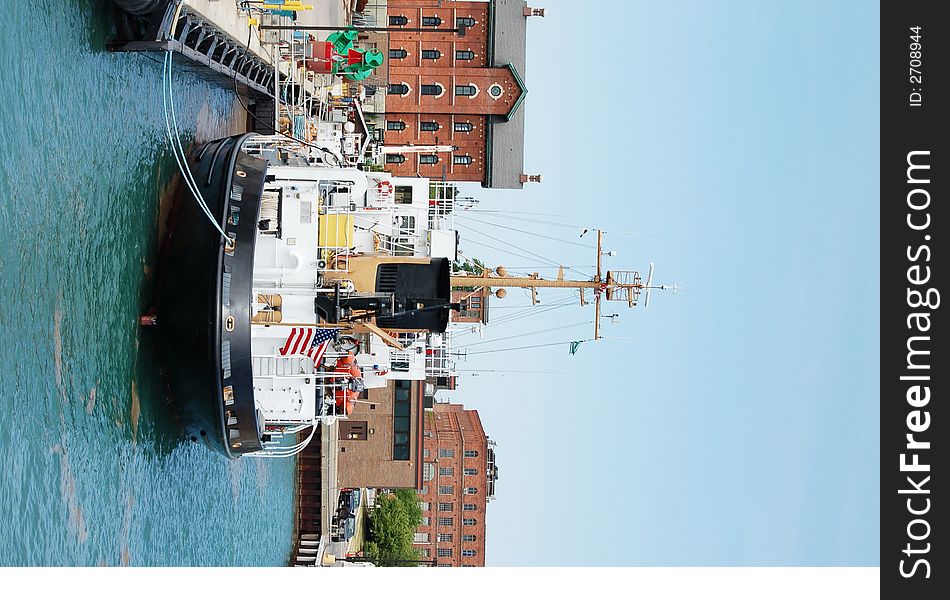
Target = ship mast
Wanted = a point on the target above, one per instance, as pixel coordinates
(615, 286)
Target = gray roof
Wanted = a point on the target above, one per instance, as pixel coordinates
(505, 143)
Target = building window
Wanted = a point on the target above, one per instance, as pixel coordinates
(401, 402)
(424, 506)
(469, 553)
(446, 471)
(398, 20)
(397, 89)
(428, 159)
(468, 537)
(431, 21)
(446, 490)
(428, 472)
(464, 55)
(459, 159)
(445, 521)
(469, 522)
(395, 125)
(425, 453)
(432, 89)
(395, 159)
(469, 507)
(425, 553)
(495, 91)
(463, 127)
(397, 53)
(465, 90)
(425, 522)
(445, 538)
(446, 453)
(445, 507)
(420, 538)
(443, 565)
(444, 553)
(469, 471)
(431, 55)
(464, 22)
(428, 126)
(471, 490)
(471, 453)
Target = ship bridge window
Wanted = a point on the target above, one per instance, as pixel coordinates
(406, 224)
(403, 194)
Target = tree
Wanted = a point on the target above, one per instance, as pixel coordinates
(393, 522)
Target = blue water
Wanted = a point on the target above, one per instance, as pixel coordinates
(94, 469)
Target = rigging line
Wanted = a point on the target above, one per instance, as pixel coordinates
(497, 239)
(504, 371)
(539, 221)
(540, 235)
(526, 347)
(536, 256)
(531, 312)
(511, 337)
(507, 251)
(515, 212)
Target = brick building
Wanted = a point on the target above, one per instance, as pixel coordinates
(459, 475)
(381, 441)
(465, 91)
(473, 306)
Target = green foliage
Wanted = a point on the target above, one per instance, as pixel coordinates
(392, 524)
(473, 267)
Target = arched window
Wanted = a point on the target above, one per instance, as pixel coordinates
(428, 159)
(465, 90)
(428, 126)
(398, 20)
(471, 490)
(431, 21)
(397, 53)
(469, 522)
(395, 159)
(468, 537)
(495, 91)
(398, 89)
(470, 471)
(463, 127)
(469, 553)
(464, 22)
(431, 54)
(471, 453)
(463, 159)
(395, 125)
(469, 507)
(464, 55)
(432, 89)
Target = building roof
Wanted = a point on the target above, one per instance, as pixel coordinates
(505, 141)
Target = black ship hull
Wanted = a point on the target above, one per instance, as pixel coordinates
(203, 299)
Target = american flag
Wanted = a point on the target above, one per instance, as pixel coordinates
(308, 341)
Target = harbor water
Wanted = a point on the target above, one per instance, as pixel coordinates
(95, 469)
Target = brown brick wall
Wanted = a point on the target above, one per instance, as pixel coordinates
(447, 71)
(369, 463)
(454, 428)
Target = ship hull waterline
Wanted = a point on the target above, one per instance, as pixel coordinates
(203, 299)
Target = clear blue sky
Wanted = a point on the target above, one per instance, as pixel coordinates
(741, 141)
